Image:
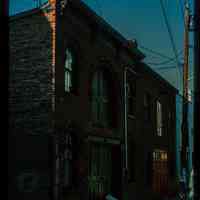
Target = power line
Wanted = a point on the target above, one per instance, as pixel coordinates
(154, 52)
(171, 38)
(167, 61)
(182, 10)
(167, 67)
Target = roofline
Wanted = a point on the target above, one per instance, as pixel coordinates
(86, 10)
(97, 19)
(106, 27)
(159, 77)
(30, 12)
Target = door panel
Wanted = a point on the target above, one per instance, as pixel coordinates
(100, 170)
(105, 170)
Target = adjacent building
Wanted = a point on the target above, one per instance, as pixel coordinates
(72, 136)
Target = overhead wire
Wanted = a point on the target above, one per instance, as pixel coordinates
(181, 4)
(171, 39)
(154, 52)
(166, 68)
(167, 61)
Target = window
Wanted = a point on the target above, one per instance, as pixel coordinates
(131, 98)
(67, 161)
(160, 171)
(169, 121)
(100, 170)
(69, 64)
(147, 107)
(100, 98)
(159, 118)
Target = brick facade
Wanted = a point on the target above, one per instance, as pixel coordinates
(39, 106)
(31, 95)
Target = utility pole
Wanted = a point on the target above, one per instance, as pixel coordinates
(196, 162)
(184, 150)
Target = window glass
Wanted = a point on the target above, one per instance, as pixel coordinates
(100, 99)
(147, 106)
(169, 120)
(68, 82)
(69, 62)
(69, 59)
(99, 176)
(159, 118)
(67, 161)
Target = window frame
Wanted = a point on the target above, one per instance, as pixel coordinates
(100, 97)
(98, 152)
(70, 73)
(67, 160)
(147, 106)
(159, 122)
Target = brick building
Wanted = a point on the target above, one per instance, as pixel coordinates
(67, 114)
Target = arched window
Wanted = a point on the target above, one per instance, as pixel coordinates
(69, 64)
(101, 98)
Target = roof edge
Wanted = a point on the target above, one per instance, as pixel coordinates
(30, 12)
(159, 77)
(108, 28)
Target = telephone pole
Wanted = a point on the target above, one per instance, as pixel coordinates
(196, 162)
(184, 127)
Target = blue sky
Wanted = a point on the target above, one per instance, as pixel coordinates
(141, 20)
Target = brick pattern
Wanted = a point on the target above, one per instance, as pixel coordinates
(32, 69)
(31, 94)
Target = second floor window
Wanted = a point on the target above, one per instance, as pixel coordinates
(100, 98)
(147, 107)
(69, 63)
(159, 118)
(169, 121)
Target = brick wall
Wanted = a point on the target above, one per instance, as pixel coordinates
(31, 96)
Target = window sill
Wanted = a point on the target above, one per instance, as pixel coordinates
(131, 116)
(159, 135)
(71, 93)
(100, 130)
